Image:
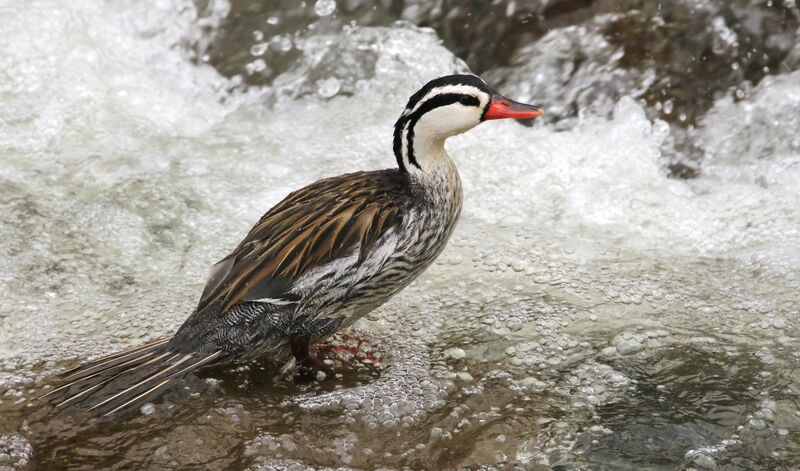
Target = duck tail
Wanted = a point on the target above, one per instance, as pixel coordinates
(126, 379)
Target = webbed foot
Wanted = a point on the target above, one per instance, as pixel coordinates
(309, 366)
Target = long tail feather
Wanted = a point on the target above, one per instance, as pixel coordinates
(113, 359)
(125, 379)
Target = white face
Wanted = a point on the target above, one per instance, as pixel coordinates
(449, 120)
(454, 118)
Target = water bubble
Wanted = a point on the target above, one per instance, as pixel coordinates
(324, 7)
(256, 66)
(259, 49)
(15, 452)
(284, 43)
(765, 355)
(534, 384)
(328, 88)
(699, 341)
(704, 461)
(464, 376)
(628, 343)
(725, 41)
(456, 353)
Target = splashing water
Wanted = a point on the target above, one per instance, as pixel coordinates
(589, 311)
(324, 7)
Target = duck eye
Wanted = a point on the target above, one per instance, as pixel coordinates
(466, 100)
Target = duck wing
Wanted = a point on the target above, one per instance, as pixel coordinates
(311, 227)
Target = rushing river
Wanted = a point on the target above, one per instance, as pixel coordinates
(621, 292)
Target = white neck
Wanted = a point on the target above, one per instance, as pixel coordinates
(431, 157)
(422, 154)
(425, 160)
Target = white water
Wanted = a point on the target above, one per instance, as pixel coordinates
(579, 278)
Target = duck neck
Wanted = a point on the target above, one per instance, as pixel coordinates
(422, 156)
(431, 170)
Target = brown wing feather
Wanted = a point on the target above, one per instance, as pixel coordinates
(328, 219)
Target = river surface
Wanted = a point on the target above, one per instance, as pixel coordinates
(621, 291)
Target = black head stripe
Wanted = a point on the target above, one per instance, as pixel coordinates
(397, 143)
(444, 99)
(459, 79)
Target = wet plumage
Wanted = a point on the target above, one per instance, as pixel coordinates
(316, 262)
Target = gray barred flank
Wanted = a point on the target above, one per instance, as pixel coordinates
(418, 248)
